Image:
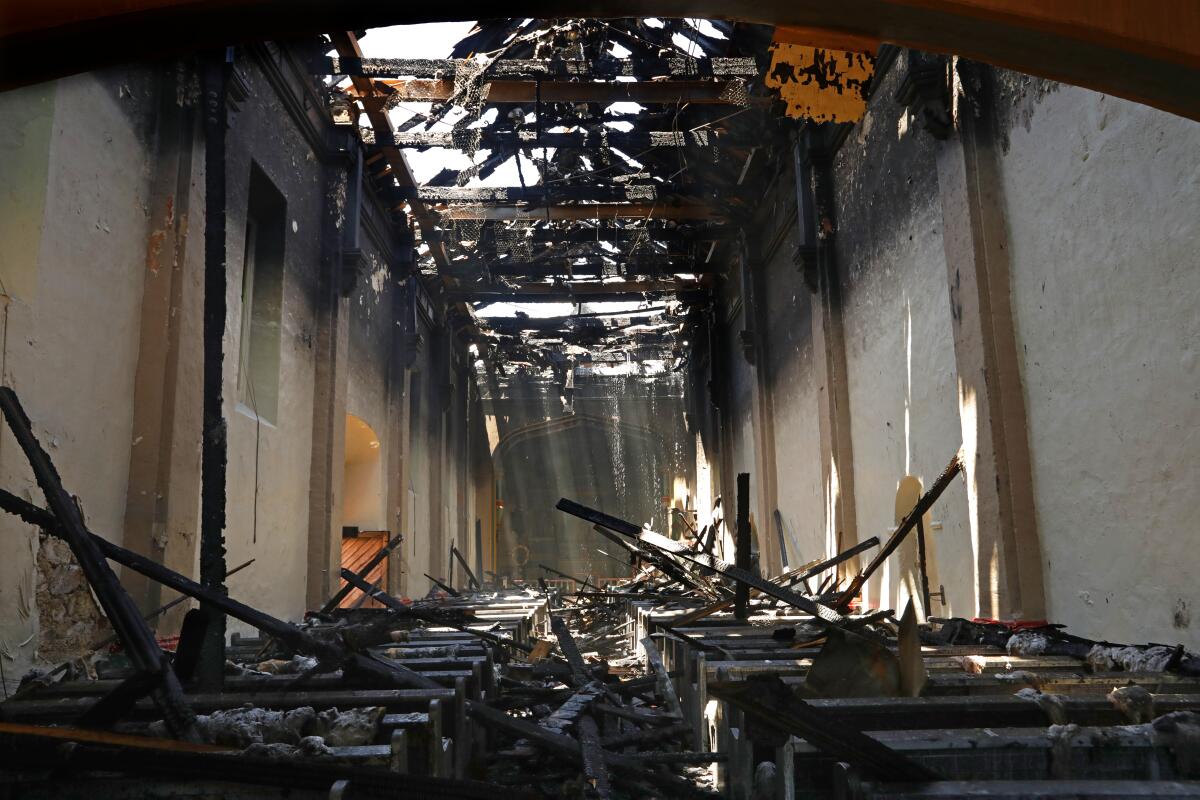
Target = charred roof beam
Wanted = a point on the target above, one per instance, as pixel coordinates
(680, 66)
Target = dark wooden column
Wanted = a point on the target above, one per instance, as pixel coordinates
(742, 544)
(214, 446)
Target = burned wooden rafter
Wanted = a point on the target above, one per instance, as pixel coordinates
(594, 766)
(512, 325)
(822, 613)
(673, 209)
(154, 671)
(591, 753)
(512, 140)
(447, 588)
(540, 69)
(591, 267)
(573, 707)
(664, 684)
(675, 93)
(346, 44)
(619, 232)
(667, 566)
(584, 288)
(742, 545)
(842, 557)
(541, 195)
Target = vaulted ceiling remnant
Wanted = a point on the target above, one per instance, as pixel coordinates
(634, 144)
(633, 141)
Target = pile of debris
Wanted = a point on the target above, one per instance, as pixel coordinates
(795, 692)
(691, 677)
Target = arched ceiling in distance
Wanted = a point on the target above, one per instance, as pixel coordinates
(1149, 52)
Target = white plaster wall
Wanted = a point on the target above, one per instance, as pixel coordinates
(1103, 205)
(71, 323)
(903, 395)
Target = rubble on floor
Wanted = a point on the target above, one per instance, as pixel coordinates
(690, 677)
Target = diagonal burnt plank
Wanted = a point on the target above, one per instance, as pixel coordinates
(823, 613)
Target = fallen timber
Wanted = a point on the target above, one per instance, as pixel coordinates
(658, 689)
(371, 564)
(989, 695)
(154, 673)
(823, 613)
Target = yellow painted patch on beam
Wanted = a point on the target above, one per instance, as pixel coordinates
(817, 83)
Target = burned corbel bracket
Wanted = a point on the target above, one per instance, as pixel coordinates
(925, 92)
(352, 266)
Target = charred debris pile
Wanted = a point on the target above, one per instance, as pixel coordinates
(692, 676)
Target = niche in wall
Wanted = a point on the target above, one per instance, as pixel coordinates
(362, 480)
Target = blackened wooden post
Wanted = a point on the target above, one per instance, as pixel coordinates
(154, 671)
(742, 545)
(214, 451)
